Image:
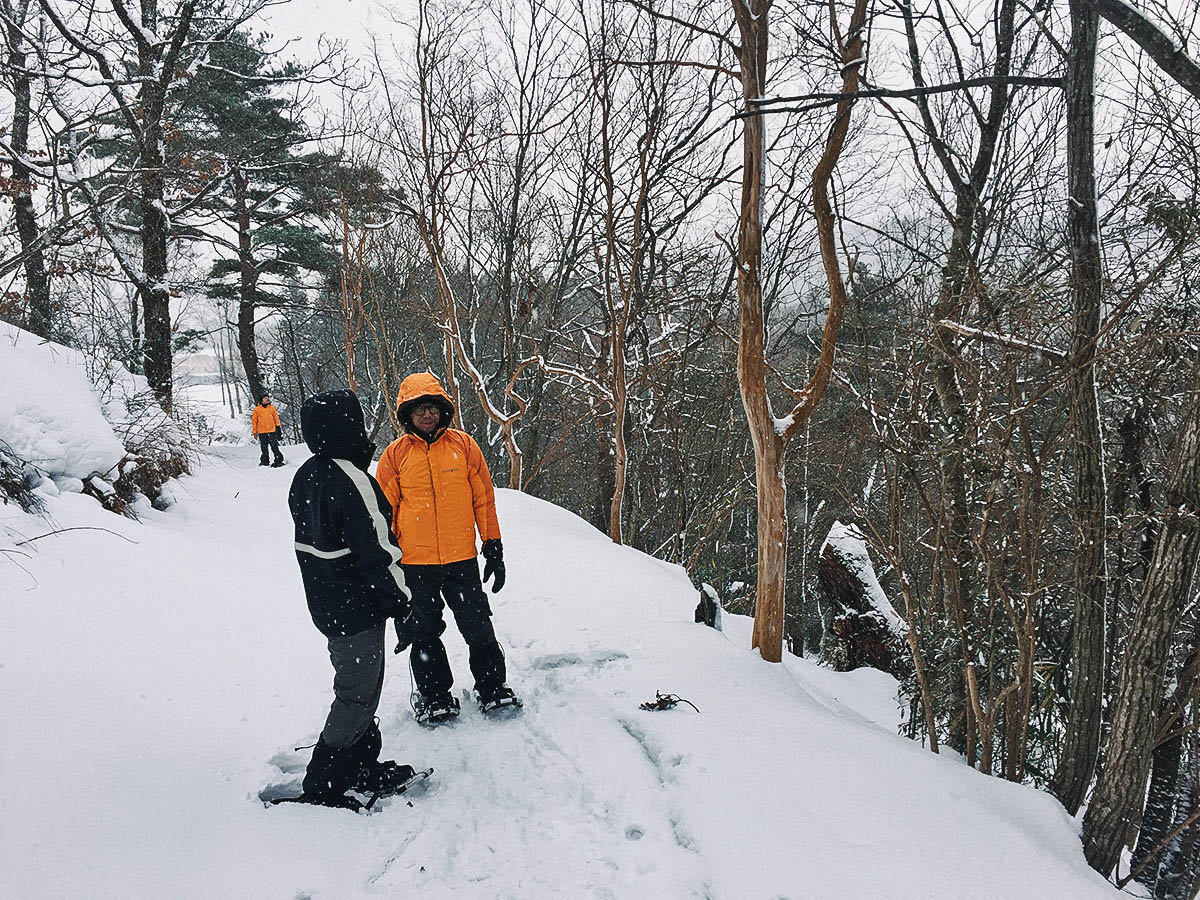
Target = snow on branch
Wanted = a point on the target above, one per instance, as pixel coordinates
(1169, 54)
(1004, 340)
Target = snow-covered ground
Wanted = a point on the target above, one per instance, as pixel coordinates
(152, 671)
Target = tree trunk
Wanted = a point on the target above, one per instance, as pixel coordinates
(37, 279)
(772, 546)
(301, 391)
(350, 282)
(1159, 815)
(135, 361)
(516, 458)
(1120, 788)
(620, 451)
(770, 437)
(956, 553)
(751, 16)
(153, 290)
(1082, 742)
(247, 290)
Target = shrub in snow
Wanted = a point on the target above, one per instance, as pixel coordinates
(157, 449)
(16, 482)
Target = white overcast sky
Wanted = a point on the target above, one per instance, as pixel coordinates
(349, 22)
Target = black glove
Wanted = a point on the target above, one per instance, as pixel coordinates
(493, 552)
(404, 632)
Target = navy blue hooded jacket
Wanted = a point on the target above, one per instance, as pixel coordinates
(348, 557)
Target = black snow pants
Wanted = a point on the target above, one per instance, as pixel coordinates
(350, 739)
(456, 585)
(270, 440)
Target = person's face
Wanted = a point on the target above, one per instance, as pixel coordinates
(425, 416)
(266, 401)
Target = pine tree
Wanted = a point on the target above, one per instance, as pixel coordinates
(243, 125)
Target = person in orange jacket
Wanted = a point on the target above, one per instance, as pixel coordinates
(441, 494)
(264, 425)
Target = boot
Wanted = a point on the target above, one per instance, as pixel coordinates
(432, 710)
(329, 775)
(384, 777)
(497, 698)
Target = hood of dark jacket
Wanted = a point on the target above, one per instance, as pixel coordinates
(333, 425)
(418, 388)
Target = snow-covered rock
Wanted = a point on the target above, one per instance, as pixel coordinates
(87, 423)
(851, 548)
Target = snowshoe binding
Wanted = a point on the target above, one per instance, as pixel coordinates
(388, 779)
(498, 700)
(435, 710)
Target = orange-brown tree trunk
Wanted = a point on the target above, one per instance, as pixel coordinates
(768, 435)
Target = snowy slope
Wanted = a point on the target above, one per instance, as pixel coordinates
(149, 680)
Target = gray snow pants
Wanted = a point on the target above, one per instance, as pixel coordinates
(357, 684)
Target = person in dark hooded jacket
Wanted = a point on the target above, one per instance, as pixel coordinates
(349, 562)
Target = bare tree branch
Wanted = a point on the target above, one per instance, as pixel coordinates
(1171, 56)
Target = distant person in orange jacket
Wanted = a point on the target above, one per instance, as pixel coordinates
(441, 493)
(264, 424)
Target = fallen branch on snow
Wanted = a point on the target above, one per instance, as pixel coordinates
(666, 701)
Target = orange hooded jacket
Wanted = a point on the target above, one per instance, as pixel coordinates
(440, 490)
(264, 419)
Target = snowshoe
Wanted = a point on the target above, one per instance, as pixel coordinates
(498, 699)
(392, 781)
(404, 777)
(388, 778)
(435, 710)
(334, 801)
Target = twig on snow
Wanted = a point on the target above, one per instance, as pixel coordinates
(666, 701)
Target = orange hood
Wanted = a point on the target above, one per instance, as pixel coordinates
(420, 386)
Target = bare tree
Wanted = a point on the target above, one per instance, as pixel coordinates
(20, 185)
(771, 435)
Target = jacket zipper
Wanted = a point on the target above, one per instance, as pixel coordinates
(437, 538)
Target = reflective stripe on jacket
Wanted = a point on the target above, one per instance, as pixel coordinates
(348, 557)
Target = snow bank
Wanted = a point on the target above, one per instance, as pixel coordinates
(50, 415)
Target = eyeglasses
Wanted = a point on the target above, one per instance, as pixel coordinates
(427, 409)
